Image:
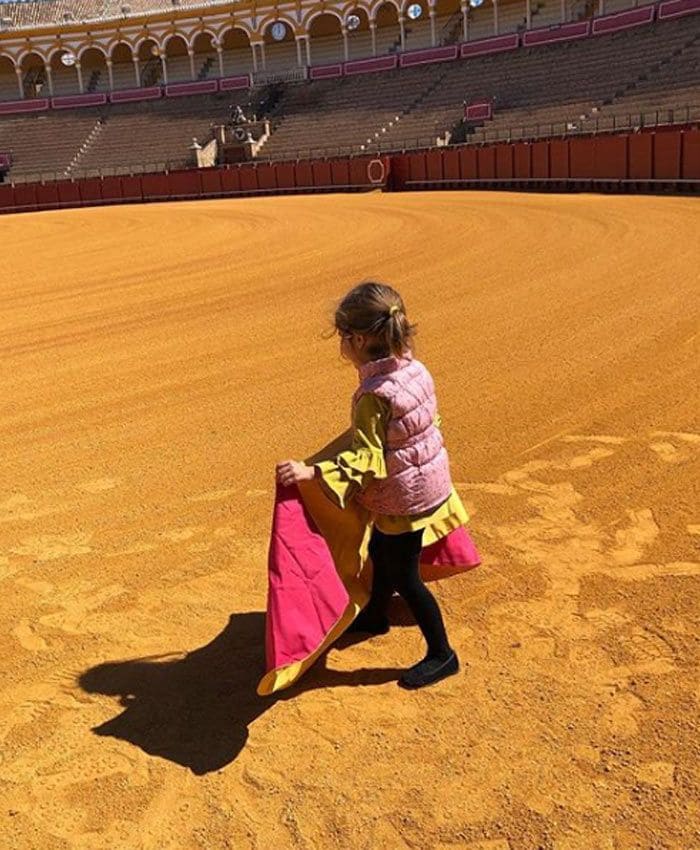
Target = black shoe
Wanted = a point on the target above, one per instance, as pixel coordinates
(367, 625)
(429, 670)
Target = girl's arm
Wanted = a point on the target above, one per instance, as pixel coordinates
(352, 470)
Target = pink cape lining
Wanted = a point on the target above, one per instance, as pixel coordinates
(319, 581)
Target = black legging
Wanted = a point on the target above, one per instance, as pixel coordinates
(396, 560)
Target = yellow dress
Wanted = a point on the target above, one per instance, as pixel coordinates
(353, 469)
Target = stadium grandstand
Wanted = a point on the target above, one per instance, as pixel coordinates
(144, 87)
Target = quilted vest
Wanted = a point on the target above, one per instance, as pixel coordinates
(418, 473)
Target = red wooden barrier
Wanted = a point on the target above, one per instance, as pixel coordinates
(303, 175)
(340, 172)
(667, 156)
(131, 188)
(47, 195)
(416, 166)
(522, 160)
(111, 188)
(25, 196)
(68, 193)
(609, 157)
(7, 197)
(468, 169)
(267, 176)
(285, 175)
(155, 186)
(433, 165)
(580, 159)
(690, 160)
(210, 179)
(486, 163)
(230, 180)
(400, 171)
(90, 190)
(185, 184)
(559, 159)
(321, 171)
(450, 164)
(640, 152)
(249, 178)
(540, 159)
(504, 162)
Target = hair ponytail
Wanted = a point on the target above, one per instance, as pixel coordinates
(377, 311)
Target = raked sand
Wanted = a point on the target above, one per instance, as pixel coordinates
(158, 360)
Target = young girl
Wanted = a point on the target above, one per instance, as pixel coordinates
(397, 468)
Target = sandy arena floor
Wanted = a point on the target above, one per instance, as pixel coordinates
(158, 360)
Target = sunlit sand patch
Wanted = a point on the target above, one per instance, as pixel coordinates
(177, 535)
(594, 438)
(50, 547)
(25, 633)
(21, 507)
(99, 485)
(632, 541)
(213, 495)
(660, 774)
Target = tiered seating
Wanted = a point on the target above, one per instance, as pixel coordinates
(343, 112)
(543, 86)
(45, 143)
(538, 91)
(157, 133)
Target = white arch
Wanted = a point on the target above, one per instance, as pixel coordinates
(114, 44)
(204, 31)
(170, 37)
(22, 56)
(376, 6)
(245, 30)
(137, 46)
(311, 17)
(10, 58)
(87, 47)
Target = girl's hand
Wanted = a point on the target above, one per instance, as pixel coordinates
(292, 472)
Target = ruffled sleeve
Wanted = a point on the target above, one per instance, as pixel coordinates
(352, 470)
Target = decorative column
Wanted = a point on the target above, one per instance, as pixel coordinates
(495, 17)
(164, 66)
(307, 41)
(528, 14)
(49, 77)
(220, 57)
(601, 7)
(465, 21)
(80, 77)
(137, 71)
(402, 25)
(18, 71)
(110, 74)
(563, 11)
(263, 59)
(297, 39)
(373, 32)
(190, 53)
(255, 55)
(431, 12)
(346, 46)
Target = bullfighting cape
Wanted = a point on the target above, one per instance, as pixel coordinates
(320, 576)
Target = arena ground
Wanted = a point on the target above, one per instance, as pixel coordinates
(158, 360)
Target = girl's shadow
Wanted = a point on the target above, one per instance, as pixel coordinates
(195, 709)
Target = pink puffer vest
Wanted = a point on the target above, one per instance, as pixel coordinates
(416, 460)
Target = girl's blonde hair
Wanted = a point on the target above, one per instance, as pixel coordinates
(377, 311)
